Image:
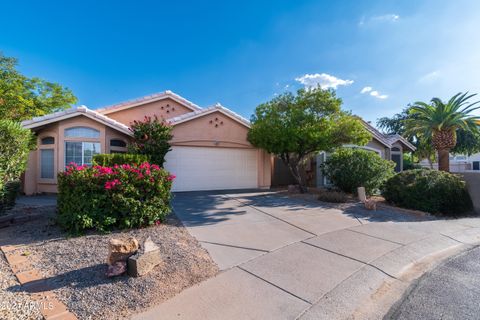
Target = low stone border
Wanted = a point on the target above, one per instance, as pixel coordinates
(36, 285)
(24, 214)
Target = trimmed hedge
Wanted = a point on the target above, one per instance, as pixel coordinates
(121, 196)
(350, 168)
(433, 191)
(111, 159)
(8, 194)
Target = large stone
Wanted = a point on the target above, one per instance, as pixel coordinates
(116, 269)
(121, 249)
(145, 259)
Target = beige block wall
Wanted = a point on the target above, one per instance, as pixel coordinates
(473, 185)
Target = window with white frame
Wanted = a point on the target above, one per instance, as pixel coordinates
(82, 132)
(47, 165)
(80, 152)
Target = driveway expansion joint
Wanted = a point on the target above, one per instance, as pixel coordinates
(268, 214)
(276, 286)
(357, 260)
(233, 246)
(369, 235)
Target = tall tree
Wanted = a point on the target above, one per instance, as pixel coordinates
(296, 127)
(439, 121)
(22, 97)
(467, 142)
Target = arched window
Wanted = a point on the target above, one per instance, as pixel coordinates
(82, 132)
(118, 143)
(395, 149)
(48, 140)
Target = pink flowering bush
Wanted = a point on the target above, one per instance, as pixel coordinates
(120, 196)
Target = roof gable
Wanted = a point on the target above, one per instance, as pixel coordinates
(200, 113)
(387, 140)
(148, 99)
(74, 112)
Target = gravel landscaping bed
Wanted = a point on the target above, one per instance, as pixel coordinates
(14, 304)
(75, 267)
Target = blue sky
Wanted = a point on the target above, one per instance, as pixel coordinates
(379, 55)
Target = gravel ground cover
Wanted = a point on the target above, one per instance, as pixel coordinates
(14, 304)
(75, 268)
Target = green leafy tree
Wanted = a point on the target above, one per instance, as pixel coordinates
(151, 137)
(296, 127)
(22, 97)
(15, 146)
(440, 121)
(16, 143)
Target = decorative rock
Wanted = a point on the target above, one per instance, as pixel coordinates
(116, 269)
(145, 260)
(371, 204)
(121, 249)
(361, 194)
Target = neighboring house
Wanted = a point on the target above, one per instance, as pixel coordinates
(209, 146)
(458, 163)
(389, 147)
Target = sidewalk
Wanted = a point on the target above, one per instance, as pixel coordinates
(330, 270)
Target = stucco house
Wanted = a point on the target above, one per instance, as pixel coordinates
(389, 147)
(209, 146)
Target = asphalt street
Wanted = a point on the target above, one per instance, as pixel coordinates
(450, 291)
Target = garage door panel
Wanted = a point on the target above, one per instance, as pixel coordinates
(200, 168)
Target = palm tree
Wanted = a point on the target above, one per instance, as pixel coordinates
(439, 122)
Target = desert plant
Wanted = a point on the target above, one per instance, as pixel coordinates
(428, 190)
(121, 196)
(111, 159)
(350, 168)
(438, 122)
(151, 137)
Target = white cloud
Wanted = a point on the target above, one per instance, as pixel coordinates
(429, 77)
(373, 93)
(376, 94)
(391, 17)
(323, 80)
(366, 89)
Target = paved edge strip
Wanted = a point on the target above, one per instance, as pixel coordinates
(35, 284)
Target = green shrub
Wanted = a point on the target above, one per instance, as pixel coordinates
(15, 146)
(350, 168)
(151, 137)
(428, 190)
(103, 198)
(8, 193)
(109, 160)
(408, 164)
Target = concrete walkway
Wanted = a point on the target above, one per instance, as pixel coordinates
(284, 258)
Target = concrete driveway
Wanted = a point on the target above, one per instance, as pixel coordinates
(286, 258)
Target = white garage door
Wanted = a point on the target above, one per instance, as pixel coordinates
(201, 168)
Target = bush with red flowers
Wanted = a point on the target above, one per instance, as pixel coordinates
(121, 196)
